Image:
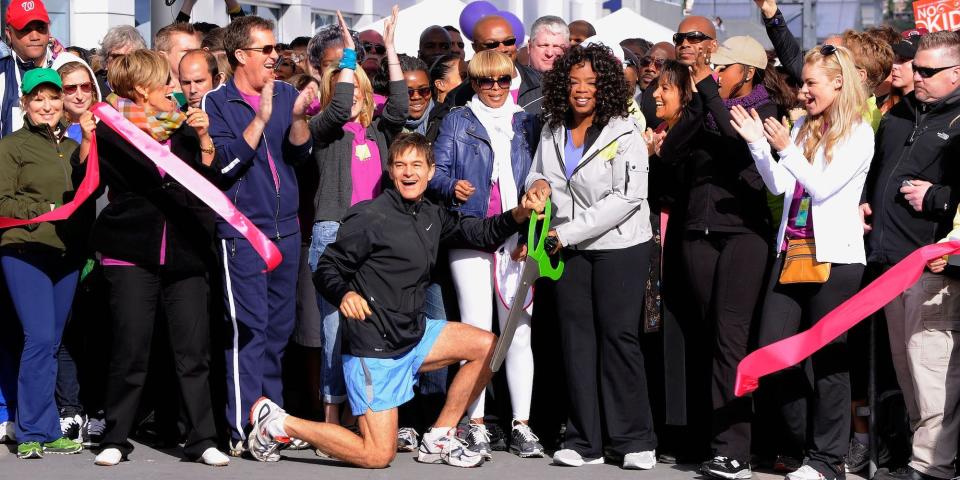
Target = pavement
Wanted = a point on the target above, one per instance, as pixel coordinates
(147, 463)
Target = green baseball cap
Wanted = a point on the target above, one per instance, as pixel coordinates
(37, 76)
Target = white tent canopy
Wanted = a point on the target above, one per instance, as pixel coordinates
(415, 19)
(626, 23)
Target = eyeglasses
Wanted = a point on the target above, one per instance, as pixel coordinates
(374, 48)
(423, 91)
(494, 44)
(440, 45)
(266, 49)
(657, 62)
(487, 83)
(692, 37)
(827, 50)
(85, 87)
(927, 72)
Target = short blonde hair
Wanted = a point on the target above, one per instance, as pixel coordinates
(329, 82)
(489, 64)
(143, 68)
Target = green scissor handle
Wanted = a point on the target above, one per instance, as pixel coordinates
(535, 248)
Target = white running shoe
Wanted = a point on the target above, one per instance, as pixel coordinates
(407, 439)
(8, 432)
(260, 443)
(805, 472)
(449, 449)
(640, 460)
(570, 458)
(108, 457)
(214, 458)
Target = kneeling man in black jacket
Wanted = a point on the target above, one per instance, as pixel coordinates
(377, 271)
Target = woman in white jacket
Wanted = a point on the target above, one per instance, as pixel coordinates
(821, 172)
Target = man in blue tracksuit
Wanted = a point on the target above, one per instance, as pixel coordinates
(260, 130)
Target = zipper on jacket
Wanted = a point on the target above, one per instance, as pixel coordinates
(893, 171)
(583, 163)
(266, 146)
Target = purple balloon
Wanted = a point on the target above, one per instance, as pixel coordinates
(472, 14)
(515, 23)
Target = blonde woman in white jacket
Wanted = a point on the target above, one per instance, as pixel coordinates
(821, 172)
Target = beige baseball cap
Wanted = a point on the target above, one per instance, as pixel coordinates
(743, 50)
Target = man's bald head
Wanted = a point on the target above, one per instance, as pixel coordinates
(580, 30)
(664, 50)
(690, 43)
(434, 42)
(490, 33)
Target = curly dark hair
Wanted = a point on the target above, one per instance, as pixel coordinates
(612, 95)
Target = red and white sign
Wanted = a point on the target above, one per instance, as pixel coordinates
(937, 15)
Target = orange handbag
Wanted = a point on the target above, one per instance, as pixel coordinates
(800, 264)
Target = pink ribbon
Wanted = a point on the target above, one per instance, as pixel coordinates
(791, 351)
(86, 188)
(191, 180)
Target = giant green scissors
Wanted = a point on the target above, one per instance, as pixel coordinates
(536, 265)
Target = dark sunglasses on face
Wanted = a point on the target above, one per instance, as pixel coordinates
(266, 49)
(423, 91)
(647, 60)
(374, 48)
(692, 37)
(927, 72)
(487, 83)
(85, 87)
(494, 44)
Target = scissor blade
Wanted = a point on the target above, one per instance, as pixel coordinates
(531, 272)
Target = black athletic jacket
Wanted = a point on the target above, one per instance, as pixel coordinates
(915, 141)
(385, 250)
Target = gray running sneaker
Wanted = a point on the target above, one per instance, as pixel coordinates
(407, 439)
(858, 456)
(448, 449)
(477, 439)
(524, 443)
(260, 443)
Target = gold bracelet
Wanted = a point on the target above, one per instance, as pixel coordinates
(208, 150)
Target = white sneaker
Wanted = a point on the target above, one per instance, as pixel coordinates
(237, 448)
(805, 472)
(214, 458)
(570, 458)
(108, 457)
(297, 444)
(640, 460)
(8, 432)
(447, 449)
(72, 427)
(263, 446)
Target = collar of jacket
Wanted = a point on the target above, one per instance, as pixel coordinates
(45, 130)
(232, 93)
(615, 128)
(529, 79)
(402, 205)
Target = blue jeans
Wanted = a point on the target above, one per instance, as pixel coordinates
(42, 288)
(435, 381)
(331, 377)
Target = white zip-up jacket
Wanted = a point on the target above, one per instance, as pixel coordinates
(604, 203)
(834, 190)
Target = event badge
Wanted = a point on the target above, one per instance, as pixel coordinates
(804, 212)
(362, 152)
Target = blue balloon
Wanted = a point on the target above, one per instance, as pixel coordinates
(515, 23)
(472, 14)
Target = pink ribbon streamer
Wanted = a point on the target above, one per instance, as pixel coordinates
(791, 351)
(192, 181)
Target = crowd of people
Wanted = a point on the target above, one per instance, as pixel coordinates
(380, 202)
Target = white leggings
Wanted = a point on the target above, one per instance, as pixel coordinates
(473, 272)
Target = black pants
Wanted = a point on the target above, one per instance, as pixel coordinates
(599, 309)
(814, 397)
(725, 272)
(135, 295)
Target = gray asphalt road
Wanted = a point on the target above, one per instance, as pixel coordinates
(147, 463)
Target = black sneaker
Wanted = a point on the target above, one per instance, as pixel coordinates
(93, 429)
(524, 443)
(858, 456)
(498, 438)
(477, 438)
(726, 468)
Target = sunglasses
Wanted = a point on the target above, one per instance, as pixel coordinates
(692, 37)
(424, 92)
(494, 44)
(927, 72)
(374, 48)
(487, 83)
(85, 87)
(828, 50)
(266, 49)
(647, 60)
